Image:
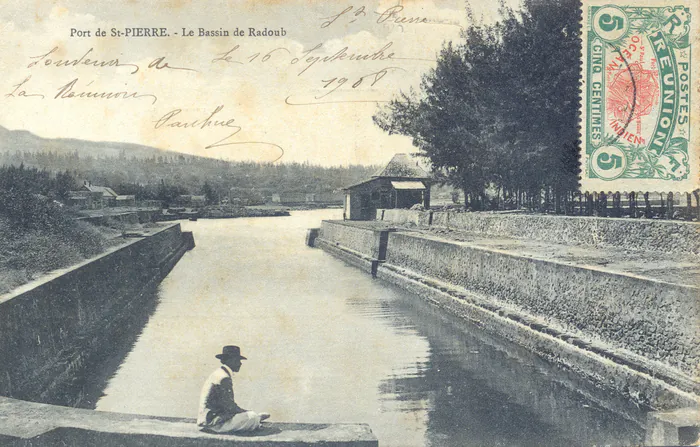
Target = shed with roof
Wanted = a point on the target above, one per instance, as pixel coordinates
(400, 184)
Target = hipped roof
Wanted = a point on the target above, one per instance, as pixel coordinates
(402, 166)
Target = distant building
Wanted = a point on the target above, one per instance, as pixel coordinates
(109, 197)
(307, 198)
(190, 201)
(127, 200)
(292, 198)
(401, 184)
(85, 200)
(245, 197)
(152, 203)
(199, 201)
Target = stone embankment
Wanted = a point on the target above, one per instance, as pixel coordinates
(51, 327)
(590, 303)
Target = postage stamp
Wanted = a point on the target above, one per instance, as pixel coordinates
(640, 96)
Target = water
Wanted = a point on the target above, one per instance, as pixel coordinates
(327, 343)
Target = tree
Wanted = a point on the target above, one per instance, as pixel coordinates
(539, 65)
(63, 183)
(500, 108)
(209, 193)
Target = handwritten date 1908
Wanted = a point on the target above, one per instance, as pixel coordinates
(372, 79)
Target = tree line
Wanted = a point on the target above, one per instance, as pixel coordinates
(499, 112)
(166, 177)
(32, 198)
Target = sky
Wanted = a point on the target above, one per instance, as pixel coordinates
(261, 98)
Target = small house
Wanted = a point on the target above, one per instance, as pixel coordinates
(85, 200)
(109, 197)
(400, 184)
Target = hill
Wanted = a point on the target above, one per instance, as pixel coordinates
(143, 170)
(25, 141)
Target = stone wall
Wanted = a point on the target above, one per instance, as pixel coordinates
(652, 319)
(43, 322)
(641, 333)
(631, 234)
(351, 236)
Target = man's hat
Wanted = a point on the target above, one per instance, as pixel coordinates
(230, 352)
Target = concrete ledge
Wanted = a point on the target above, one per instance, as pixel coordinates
(598, 305)
(31, 424)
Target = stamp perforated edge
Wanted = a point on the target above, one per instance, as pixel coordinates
(692, 183)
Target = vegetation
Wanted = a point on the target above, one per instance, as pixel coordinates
(166, 177)
(36, 233)
(500, 108)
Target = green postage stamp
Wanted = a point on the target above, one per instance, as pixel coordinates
(639, 96)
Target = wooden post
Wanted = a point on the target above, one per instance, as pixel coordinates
(589, 203)
(632, 205)
(580, 204)
(603, 204)
(647, 205)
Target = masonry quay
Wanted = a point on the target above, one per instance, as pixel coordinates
(64, 336)
(618, 305)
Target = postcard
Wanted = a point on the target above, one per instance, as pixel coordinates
(386, 222)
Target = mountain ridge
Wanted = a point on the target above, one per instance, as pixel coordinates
(24, 140)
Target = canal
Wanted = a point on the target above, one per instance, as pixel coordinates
(327, 343)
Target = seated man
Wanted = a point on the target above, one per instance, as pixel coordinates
(218, 411)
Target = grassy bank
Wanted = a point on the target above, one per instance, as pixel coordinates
(37, 233)
(28, 252)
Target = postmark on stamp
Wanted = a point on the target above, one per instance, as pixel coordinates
(639, 99)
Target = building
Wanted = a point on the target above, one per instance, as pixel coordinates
(85, 200)
(190, 201)
(126, 201)
(109, 197)
(152, 204)
(401, 184)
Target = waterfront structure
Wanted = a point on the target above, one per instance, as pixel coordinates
(400, 184)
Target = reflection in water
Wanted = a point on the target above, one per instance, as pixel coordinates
(484, 391)
(94, 355)
(125, 331)
(326, 343)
